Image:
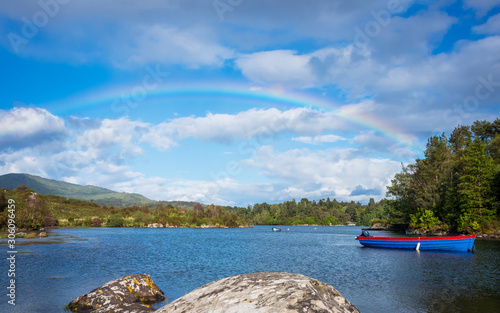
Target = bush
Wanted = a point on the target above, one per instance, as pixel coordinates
(423, 219)
(467, 224)
(141, 217)
(51, 221)
(115, 220)
(96, 222)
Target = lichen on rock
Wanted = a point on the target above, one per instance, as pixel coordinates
(127, 294)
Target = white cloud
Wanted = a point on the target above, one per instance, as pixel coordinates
(29, 126)
(404, 89)
(121, 133)
(284, 67)
(222, 191)
(104, 153)
(170, 45)
(330, 172)
(399, 43)
(316, 140)
(158, 188)
(263, 125)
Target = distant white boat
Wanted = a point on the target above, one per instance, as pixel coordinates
(276, 229)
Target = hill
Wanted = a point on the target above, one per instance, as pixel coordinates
(95, 194)
(34, 211)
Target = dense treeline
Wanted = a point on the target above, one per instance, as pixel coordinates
(456, 186)
(323, 212)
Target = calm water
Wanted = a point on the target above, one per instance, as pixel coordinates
(180, 260)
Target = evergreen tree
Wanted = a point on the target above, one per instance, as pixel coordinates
(460, 138)
(457, 181)
(484, 130)
(432, 177)
(403, 202)
(474, 190)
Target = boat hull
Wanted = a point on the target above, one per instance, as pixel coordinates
(452, 243)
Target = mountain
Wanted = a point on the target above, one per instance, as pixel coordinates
(95, 194)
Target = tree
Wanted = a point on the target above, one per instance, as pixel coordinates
(474, 190)
(460, 138)
(432, 177)
(403, 202)
(484, 130)
(198, 210)
(458, 181)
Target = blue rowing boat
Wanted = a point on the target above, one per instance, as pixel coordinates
(446, 243)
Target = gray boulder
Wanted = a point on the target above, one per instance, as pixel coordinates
(262, 293)
(129, 294)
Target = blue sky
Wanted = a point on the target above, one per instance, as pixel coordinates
(238, 102)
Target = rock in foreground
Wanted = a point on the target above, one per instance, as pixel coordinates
(262, 293)
(127, 294)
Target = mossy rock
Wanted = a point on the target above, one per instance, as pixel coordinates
(132, 292)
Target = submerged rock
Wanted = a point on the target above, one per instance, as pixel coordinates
(128, 294)
(262, 293)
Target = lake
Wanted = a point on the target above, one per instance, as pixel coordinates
(181, 260)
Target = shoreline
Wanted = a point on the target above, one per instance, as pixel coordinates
(45, 232)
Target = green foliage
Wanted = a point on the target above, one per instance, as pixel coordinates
(87, 222)
(402, 191)
(474, 189)
(423, 219)
(32, 210)
(115, 220)
(142, 218)
(456, 185)
(467, 223)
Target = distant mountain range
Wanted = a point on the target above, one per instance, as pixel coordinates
(95, 194)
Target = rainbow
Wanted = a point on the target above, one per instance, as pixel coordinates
(116, 97)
